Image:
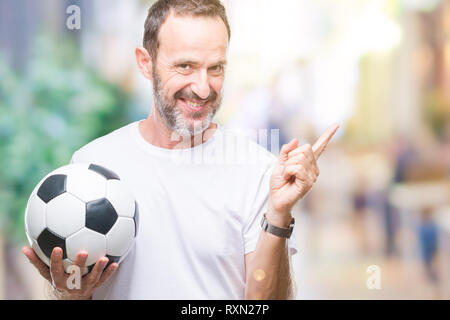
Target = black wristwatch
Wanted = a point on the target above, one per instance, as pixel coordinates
(279, 232)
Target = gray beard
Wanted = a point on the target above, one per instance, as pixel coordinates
(173, 117)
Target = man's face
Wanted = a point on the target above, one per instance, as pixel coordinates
(189, 72)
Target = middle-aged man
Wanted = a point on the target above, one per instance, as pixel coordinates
(201, 234)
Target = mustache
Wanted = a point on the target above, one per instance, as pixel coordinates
(190, 95)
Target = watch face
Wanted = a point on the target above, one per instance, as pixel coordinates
(264, 222)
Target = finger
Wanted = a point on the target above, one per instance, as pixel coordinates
(323, 140)
(300, 149)
(37, 262)
(107, 273)
(297, 171)
(316, 169)
(294, 152)
(303, 155)
(56, 267)
(308, 152)
(80, 259)
(285, 149)
(298, 159)
(96, 272)
(305, 159)
(312, 177)
(308, 177)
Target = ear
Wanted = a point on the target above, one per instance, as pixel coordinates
(144, 62)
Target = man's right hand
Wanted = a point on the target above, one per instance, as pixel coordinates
(58, 278)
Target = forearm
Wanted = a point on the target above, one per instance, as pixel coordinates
(269, 275)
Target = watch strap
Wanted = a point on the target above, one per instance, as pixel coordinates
(277, 231)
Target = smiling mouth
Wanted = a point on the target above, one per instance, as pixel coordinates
(193, 105)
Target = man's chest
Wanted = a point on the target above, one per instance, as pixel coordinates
(202, 215)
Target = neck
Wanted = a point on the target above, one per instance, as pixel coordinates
(155, 132)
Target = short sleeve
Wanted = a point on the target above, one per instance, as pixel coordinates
(252, 227)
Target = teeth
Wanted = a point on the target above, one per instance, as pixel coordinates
(193, 104)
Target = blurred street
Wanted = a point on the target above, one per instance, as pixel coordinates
(331, 268)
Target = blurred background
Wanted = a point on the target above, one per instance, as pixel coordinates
(381, 68)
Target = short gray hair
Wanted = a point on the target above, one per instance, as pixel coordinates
(160, 10)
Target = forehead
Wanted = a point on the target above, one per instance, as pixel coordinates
(181, 35)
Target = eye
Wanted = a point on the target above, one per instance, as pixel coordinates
(184, 66)
(217, 69)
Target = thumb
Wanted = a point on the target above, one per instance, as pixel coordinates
(285, 149)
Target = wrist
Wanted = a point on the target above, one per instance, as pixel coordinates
(277, 230)
(279, 219)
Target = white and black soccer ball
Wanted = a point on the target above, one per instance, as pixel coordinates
(82, 207)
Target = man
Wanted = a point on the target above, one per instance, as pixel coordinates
(200, 234)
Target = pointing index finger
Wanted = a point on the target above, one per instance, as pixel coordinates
(322, 142)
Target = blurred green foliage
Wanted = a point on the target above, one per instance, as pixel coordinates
(46, 113)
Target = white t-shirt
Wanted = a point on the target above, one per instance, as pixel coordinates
(200, 212)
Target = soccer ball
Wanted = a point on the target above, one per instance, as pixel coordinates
(82, 207)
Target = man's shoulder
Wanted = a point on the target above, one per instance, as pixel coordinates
(109, 143)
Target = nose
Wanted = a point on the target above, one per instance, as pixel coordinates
(200, 85)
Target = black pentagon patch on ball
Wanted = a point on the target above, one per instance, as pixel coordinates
(90, 269)
(108, 174)
(48, 240)
(100, 215)
(111, 259)
(52, 187)
(136, 218)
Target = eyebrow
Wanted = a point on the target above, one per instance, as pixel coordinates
(196, 63)
(221, 62)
